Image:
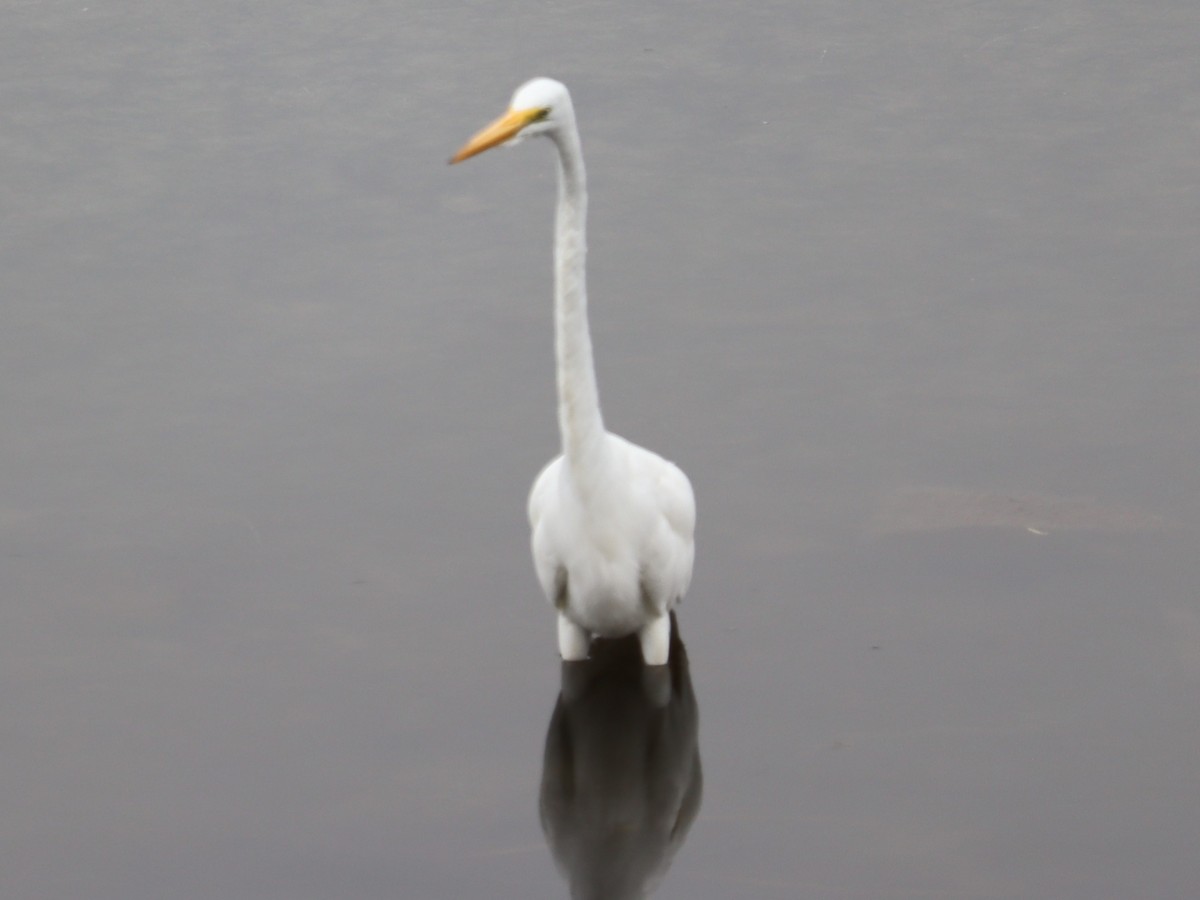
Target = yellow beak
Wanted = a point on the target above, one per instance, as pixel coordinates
(503, 129)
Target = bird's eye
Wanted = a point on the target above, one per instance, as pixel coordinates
(539, 115)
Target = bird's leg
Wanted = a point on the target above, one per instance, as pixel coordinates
(655, 636)
(573, 641)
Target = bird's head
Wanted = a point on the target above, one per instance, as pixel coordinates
(540, 106)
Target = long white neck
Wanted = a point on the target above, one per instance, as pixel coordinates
(579, 423)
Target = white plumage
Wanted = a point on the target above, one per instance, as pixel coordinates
(612, 523)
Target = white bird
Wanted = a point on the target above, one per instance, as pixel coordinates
(612, 522)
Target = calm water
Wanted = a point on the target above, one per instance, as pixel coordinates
(909, 289)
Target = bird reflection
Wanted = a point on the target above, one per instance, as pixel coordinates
(621, 779)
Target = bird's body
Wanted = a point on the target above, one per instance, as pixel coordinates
(612, 523)
(613, 561)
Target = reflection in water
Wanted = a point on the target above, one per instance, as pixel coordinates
(621, 778)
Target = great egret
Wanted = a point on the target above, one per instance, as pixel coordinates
(612, 522)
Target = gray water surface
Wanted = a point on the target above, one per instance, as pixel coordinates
(908, 289)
